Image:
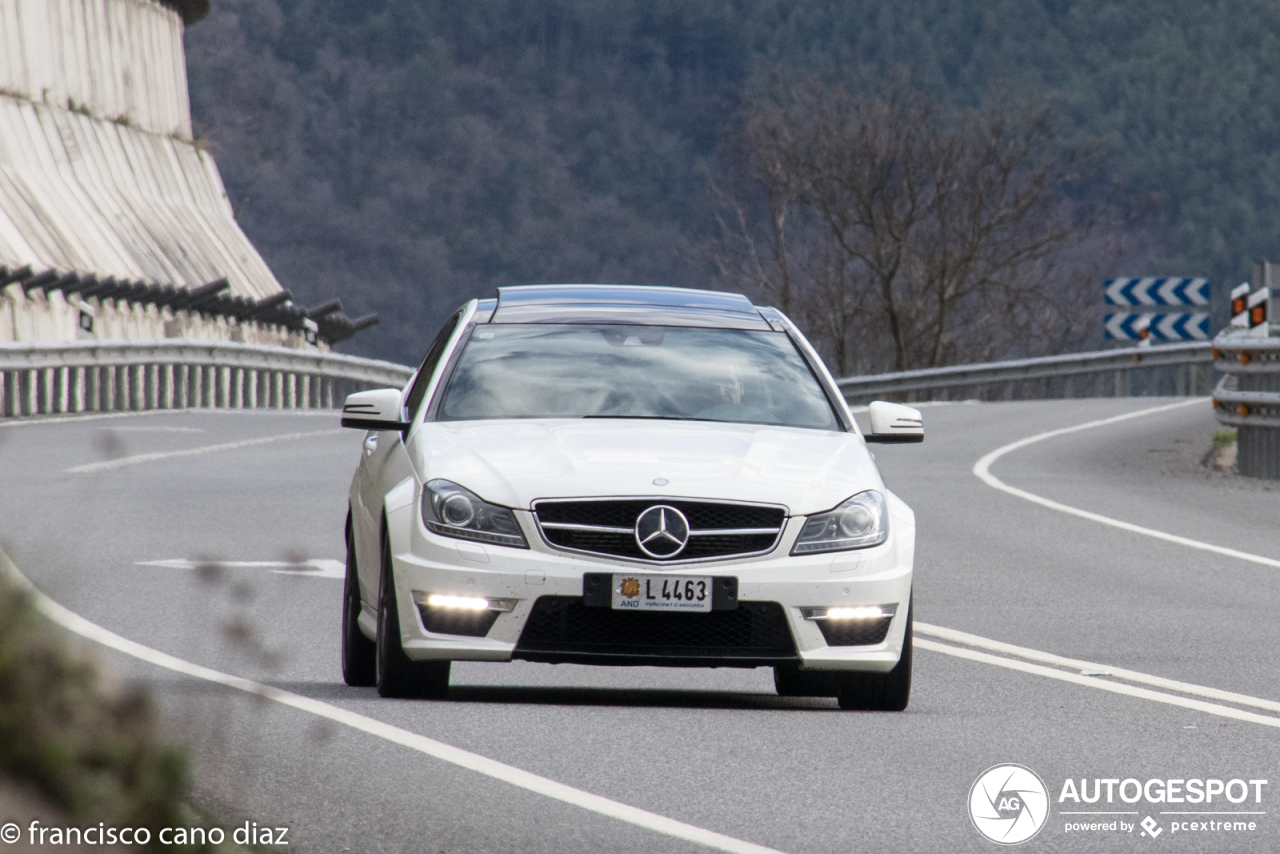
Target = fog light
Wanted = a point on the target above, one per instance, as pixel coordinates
(857, 625)
(868, 612)
(459, 615)
(840, 613)
(462, 603)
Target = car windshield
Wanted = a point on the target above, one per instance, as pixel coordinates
(588, 371)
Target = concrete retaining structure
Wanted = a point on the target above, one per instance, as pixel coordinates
(99, 176)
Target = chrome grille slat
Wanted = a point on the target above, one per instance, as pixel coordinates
(594, 526)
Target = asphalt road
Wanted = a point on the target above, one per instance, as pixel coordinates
(713, 749)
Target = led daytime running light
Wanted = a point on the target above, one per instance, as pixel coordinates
(465, 603)
(866, 612)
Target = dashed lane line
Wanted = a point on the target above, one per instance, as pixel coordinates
(429, 746)
(312, 568)
(106, 465)
(982, 468)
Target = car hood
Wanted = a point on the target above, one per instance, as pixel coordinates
(516, 462)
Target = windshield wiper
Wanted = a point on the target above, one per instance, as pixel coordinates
(653, 417)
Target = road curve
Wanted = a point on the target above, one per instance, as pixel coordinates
(211, 537)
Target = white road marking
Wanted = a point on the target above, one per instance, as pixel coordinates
(156, 429)
(1089, 668)
(982, 468)
(29, 420)
(463, 758)
(191, 452)
(1101, 684)
(315, 568)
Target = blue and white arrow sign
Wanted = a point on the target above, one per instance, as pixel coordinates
(1153, 291)
(1163, 327)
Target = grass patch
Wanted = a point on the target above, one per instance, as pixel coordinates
(1223, 438)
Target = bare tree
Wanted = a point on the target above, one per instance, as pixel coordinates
(901, 235)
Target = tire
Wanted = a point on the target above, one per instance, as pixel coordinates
(359, 654)
(396, 674)
(791, 681)
(882, 692)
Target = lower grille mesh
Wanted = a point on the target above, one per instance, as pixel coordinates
(562, 628)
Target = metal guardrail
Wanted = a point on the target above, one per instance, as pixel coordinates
(1248, 398)
(42, 378)
(1177, 369)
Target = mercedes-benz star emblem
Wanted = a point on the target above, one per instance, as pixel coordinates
(662, 531)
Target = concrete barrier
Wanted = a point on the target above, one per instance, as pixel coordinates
(98, 171)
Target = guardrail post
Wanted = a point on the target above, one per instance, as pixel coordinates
(1248, 398)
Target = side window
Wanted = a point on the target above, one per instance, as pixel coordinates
(429, 364)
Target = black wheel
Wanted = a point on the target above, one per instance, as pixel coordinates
(359, 667)
(881, 692)
(791, 681)
(397, 675)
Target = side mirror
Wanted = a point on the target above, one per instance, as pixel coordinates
(374, 410)
(894, 423)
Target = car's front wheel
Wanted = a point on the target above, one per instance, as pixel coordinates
(881, 692)
(397, 675)
(359, 665)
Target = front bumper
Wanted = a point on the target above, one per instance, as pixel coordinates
(426, 563)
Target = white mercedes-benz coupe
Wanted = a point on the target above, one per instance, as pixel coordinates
(618, 475)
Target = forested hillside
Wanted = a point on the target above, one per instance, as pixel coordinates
(405, 155)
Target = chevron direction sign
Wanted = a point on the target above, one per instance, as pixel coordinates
(1152, 291)
(1128, 326)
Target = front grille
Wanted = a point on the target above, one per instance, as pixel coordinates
(855, 632)
(607, 527)
(562, 628)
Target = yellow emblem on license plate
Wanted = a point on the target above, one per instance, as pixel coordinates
(630, 588)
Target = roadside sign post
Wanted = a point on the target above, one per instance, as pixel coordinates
(1158, 323)
(1258, 311)
(1239, 306)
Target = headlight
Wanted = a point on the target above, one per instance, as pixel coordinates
(860, 522)
(453, 511)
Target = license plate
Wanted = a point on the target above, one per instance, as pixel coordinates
(662, 593)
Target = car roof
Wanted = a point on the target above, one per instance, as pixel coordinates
(626, 304)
